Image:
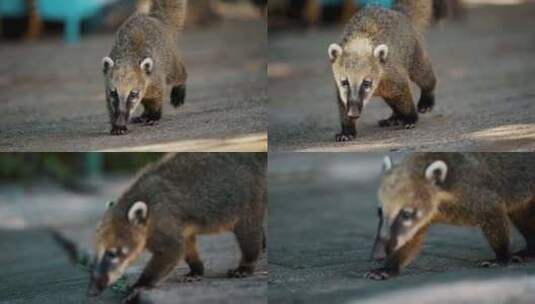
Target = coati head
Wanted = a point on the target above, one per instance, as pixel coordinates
(126, 84)
(357, 69)
(409, 200)
(120, 238)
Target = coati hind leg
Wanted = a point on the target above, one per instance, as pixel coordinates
(250, 236)
(152, 112)
(496, 229)
(524, 221)
(399, 259)
(422, 74)
(192, 259)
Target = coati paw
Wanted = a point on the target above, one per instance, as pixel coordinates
(408, 126)
(390, 122)
(190, 278)
(178, 95)
(523, 256)
(491, 263)
(133, 297)
(426, 103)
(340, 137)
(240, 272)
(119, 130)
(151, 122)
(377, 275)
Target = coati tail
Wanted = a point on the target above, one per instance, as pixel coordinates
(171, 12)
(420, 12)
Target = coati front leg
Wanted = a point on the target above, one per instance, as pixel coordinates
(348, 125)
(159, 267)
(524, 221)
(423, 75)
(495, 227)
(250, 236)
(192, 259)
(152, 112)
(178, 95)
(403, 109)
(397, 260)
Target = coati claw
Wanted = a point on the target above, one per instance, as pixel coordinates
(151, 122)
(119, 130)
(390, 122)
(133, 297)
(239, 272)
(377, 275)
(190, 278)
(344, 137)
(409, 126)
(491, 263)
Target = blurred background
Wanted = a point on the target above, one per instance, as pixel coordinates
(31, 19)
(306, 13)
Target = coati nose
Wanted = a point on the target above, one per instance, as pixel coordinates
(97, 285)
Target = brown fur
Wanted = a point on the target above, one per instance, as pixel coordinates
(186, 195)
(146, 36)
(406, 61)
(488, 190)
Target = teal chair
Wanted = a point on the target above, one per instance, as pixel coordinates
(70, 12)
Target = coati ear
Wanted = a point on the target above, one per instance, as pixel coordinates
(107, 64)
(147, 65)
(335, 51)
(110, 204)
(436, 172)
(381, 52)
(387, 163)
(137, 214)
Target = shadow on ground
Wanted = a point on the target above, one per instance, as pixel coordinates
(322, 221)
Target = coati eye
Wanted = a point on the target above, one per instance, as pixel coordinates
(134, 94)
(366, 84)
(406, 214)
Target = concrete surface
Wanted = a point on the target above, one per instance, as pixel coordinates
(52, 95)
(35, 270)
(485, 95)
(322, 222)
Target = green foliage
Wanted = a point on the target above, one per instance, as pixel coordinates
(68, 166)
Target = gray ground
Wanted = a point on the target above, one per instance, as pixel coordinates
(322, 221)
(52, 95)
(485, 95)
(35, 270)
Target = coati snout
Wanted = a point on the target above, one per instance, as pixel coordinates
(119, 240)
(406, 205)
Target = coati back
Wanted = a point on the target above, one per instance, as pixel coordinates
(143, 63)
(170, 203)
(381, 50)
(488, 190)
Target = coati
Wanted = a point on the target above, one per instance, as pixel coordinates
(143, 63)
(488, 190)
(173, 201)
(380, 52)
